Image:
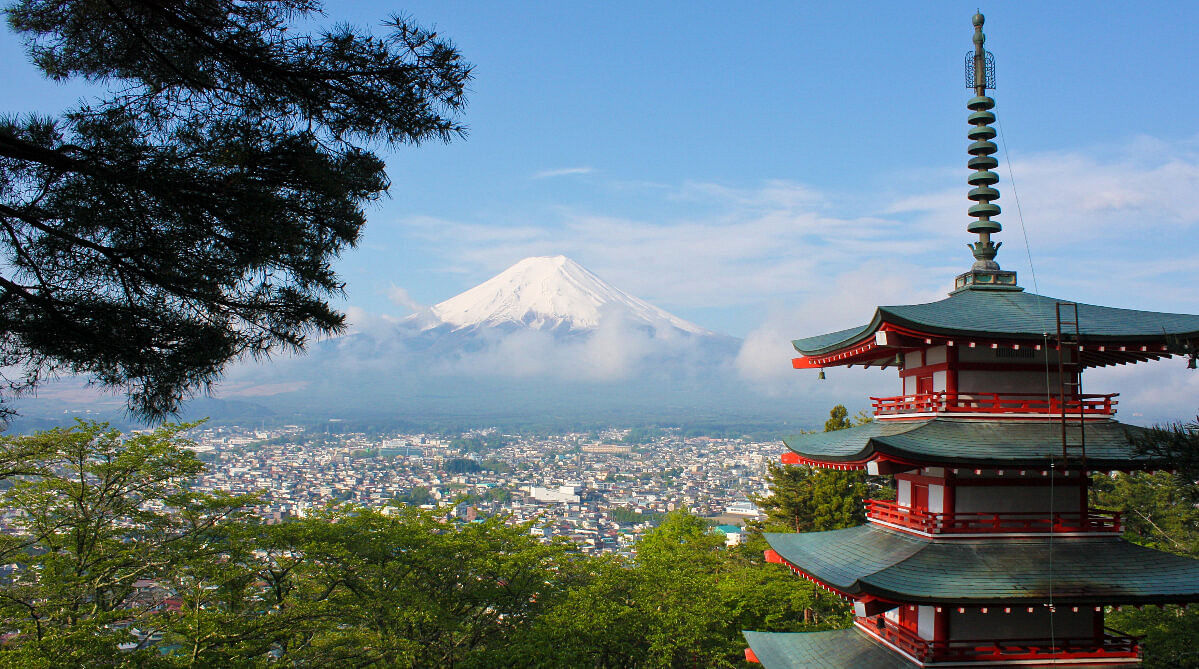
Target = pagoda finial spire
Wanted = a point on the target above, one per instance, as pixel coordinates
(980, 75)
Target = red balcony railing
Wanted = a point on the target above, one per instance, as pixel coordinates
(1109, 646)
(1013, 522)
(994, 403)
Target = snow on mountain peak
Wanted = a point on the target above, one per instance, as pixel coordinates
(551, 292)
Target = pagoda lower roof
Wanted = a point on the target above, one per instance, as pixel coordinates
(836, 649)
(871, 560)
(963, 442)
(989, 315)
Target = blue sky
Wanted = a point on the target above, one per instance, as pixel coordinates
(773, 170)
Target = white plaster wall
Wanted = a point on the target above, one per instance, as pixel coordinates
(935, 355)
(903, 494)
(939, 381)
(936, 498)
(925, 619)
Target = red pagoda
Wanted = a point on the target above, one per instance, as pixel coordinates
(990, 555)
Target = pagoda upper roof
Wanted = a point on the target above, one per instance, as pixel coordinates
(956, 442)
(836, 649)
(1082, 570)
(989, 315)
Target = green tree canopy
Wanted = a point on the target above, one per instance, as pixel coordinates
(807, 499)
(682, 602)
(1157, 510)
(192, 215)
(96, 514)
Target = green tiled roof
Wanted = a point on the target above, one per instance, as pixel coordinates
(873, 560)
(963, 442)
(1010, 315)
(837, 649)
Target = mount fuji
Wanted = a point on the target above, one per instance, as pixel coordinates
(546, 341)
(551, 294)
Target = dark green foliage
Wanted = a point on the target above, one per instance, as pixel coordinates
(492, 465)
(1177, 446)
(643, 435)
(100, 512)
(682, 603)
(1170, 634)
(1158, 510)
(462, 466)
(192, 215)
(838, 419)
(347, 586)
(410, 590)
(417, 496)
(479, 443)
(809, 499)
(499, 495)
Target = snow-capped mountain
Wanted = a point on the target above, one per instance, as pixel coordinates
(551, 294)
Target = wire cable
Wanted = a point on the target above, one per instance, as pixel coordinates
(1007, 156)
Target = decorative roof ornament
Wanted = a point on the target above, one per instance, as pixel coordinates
(980, 75)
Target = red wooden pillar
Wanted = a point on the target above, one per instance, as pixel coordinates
(947, 498)
(941, 626)
(951, 376)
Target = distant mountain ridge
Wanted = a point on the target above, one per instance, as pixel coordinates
(546, 340)
(550, 293)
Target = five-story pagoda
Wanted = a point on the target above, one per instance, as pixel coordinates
(990, 555)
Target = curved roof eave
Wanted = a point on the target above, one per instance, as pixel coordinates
(871, 560)
(972, 443)
(815, 345)
(833, 649)
(1024, 315)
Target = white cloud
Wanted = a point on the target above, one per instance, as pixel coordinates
(1104, 224)
(766, 242)
(1109, 226)
(565, 171)
(848, 301)
(401, 298)
(616, 350)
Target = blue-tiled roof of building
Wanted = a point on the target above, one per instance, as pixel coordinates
(833, 650)
(965, 442)
(1010, 315)
(873, 560)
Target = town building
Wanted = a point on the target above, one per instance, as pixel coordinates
(991, 554)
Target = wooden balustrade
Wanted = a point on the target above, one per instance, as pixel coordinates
(995, 403)
(1011, 522)
(1000, 650)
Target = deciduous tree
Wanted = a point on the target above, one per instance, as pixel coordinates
(98, 513)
